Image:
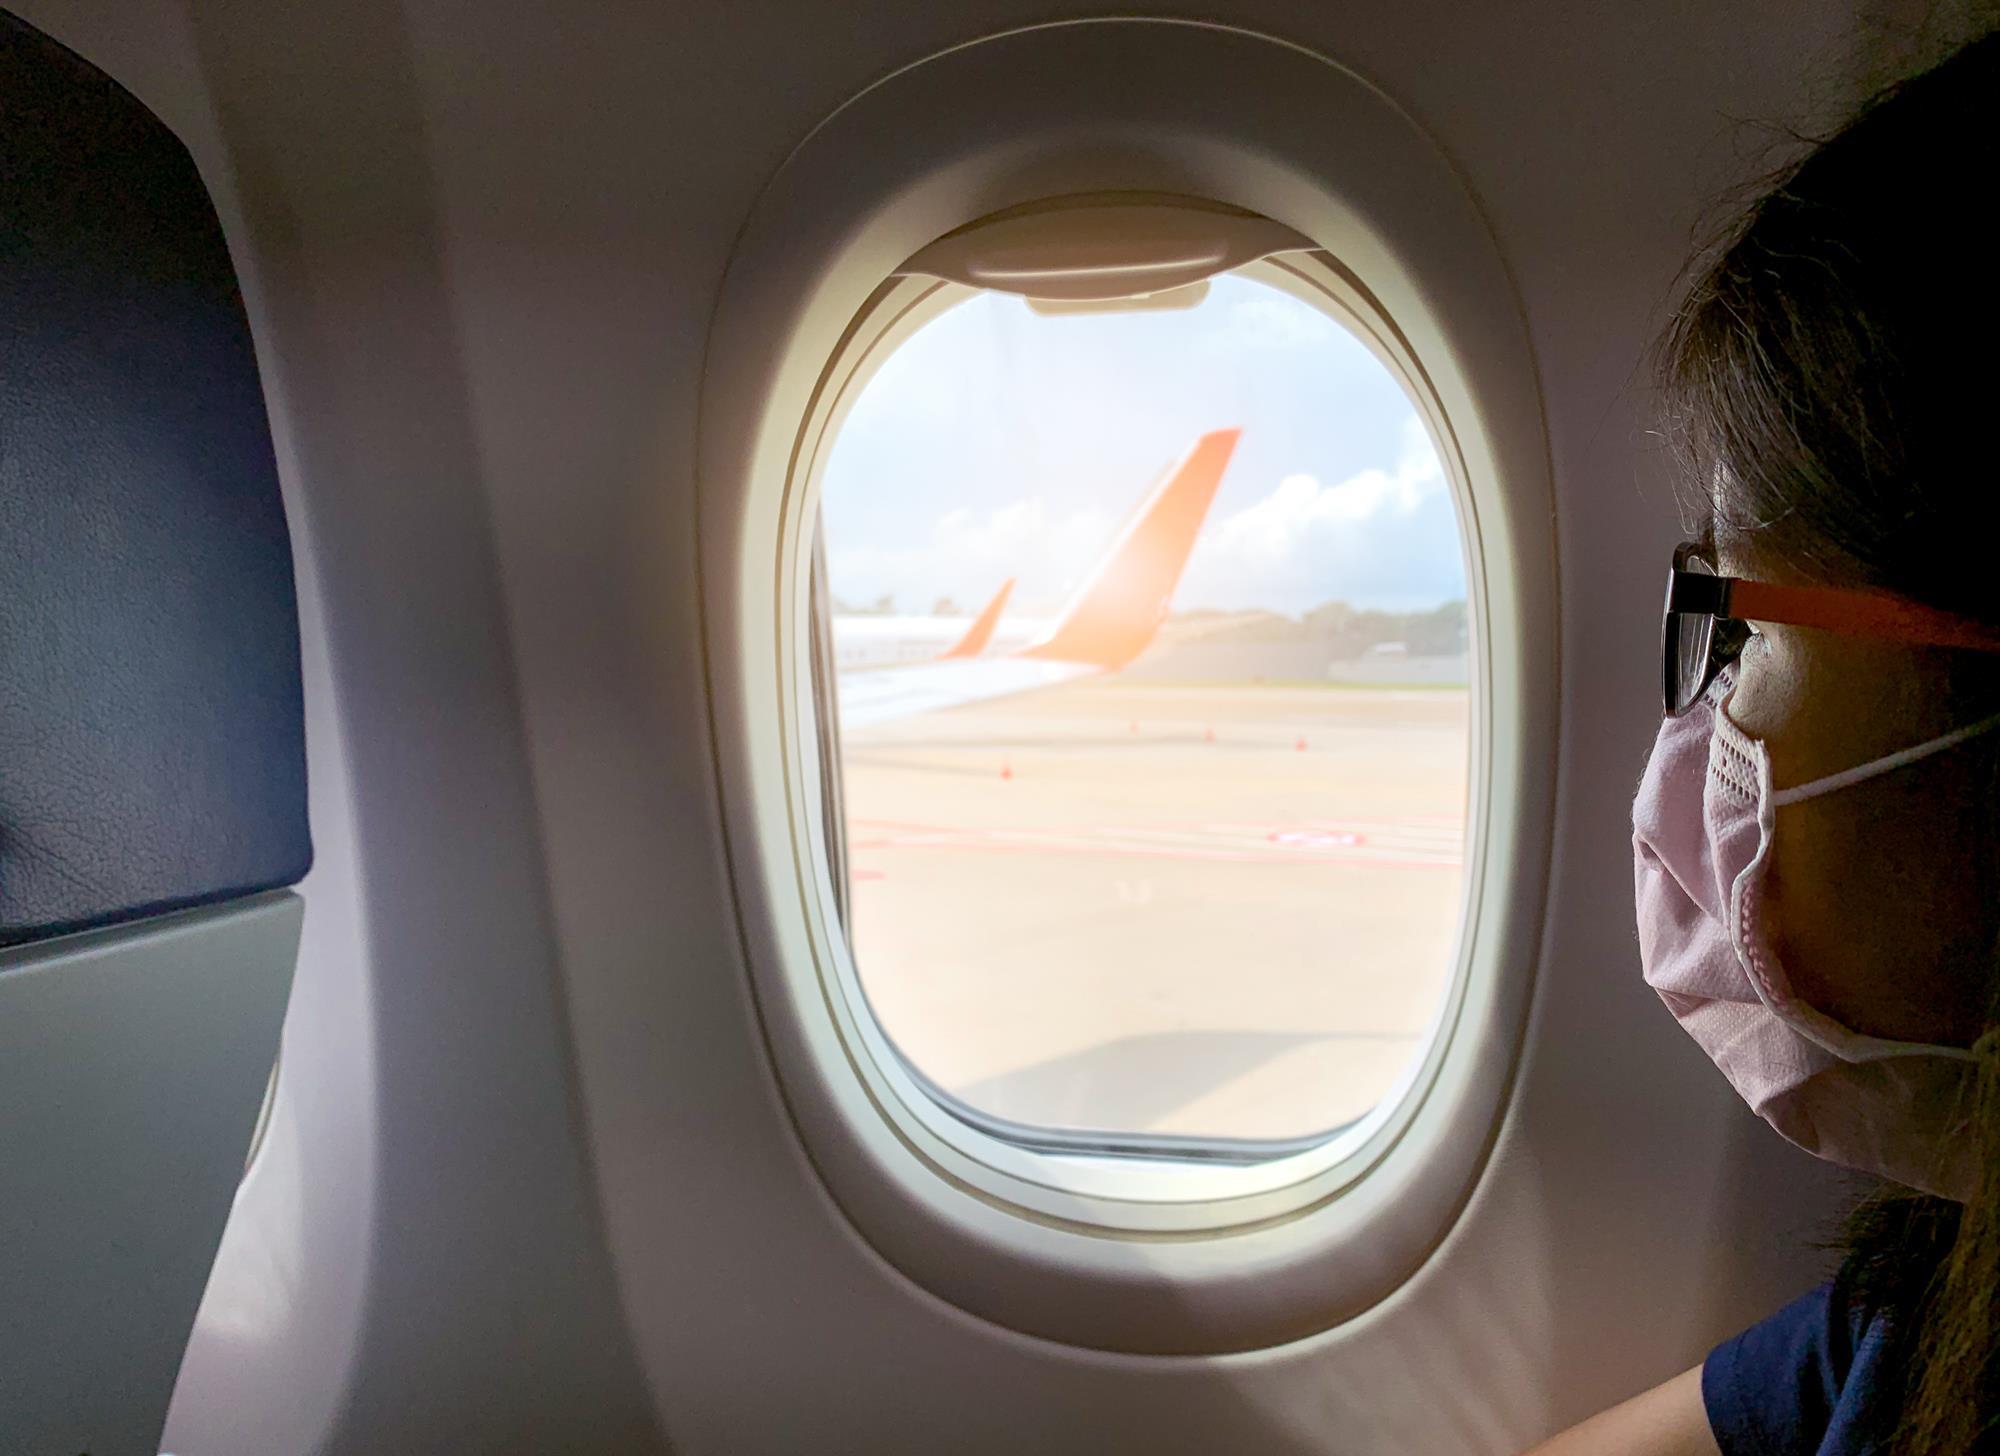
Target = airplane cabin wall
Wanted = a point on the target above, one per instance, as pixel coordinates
(531, 1185)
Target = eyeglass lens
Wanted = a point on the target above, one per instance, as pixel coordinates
(1691, 636)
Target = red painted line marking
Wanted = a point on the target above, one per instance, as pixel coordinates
(1317, 838)
(1360, 824)
(1276, 861)
(1291, 847)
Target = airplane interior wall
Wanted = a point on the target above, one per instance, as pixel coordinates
(531, 1183)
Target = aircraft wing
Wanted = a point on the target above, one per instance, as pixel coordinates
(1110, 621)
(924, 687)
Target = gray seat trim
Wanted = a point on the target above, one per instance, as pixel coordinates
(136, 1061)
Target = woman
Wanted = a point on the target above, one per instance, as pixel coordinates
(1818, 831)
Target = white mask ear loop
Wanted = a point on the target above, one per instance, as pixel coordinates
(1876, 767)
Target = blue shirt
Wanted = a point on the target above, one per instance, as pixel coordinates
(1808, 1381)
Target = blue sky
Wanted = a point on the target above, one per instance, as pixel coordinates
(997, 442)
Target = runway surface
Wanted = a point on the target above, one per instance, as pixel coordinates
(1210, 910)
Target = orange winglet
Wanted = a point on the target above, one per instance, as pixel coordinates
(1120, 608)
(981, 632)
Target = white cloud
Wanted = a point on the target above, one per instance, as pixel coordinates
(1377, 538)
(1379, 535)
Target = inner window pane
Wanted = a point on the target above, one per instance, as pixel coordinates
(1209, 892)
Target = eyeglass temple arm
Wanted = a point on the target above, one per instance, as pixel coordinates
(1862, 613)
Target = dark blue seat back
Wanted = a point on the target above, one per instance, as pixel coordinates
(152, 745)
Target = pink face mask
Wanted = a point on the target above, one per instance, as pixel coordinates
(1702, 829)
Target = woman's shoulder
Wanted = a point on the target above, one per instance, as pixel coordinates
(1825, 1375)
(1817, 1378)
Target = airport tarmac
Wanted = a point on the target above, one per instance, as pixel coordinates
(1211, 910)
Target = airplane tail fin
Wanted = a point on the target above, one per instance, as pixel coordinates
(981, 632)
(1120, 608)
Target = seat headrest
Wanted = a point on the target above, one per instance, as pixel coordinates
(152, 739)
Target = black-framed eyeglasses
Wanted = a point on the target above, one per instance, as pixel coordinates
(1707, 615)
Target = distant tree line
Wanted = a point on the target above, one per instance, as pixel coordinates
(1341, 629)
(885, 606)
(882, 606)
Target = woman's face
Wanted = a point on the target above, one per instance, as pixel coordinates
(1877, 893)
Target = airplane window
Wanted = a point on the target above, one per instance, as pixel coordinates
(1148, 632)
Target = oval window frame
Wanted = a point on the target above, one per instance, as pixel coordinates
(839, 218)
(1109, 1194)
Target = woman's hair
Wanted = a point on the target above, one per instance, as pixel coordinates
(1832, 377)
(1832, 380)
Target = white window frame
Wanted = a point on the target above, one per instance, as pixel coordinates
(1185, 1188)
(1058, 111)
